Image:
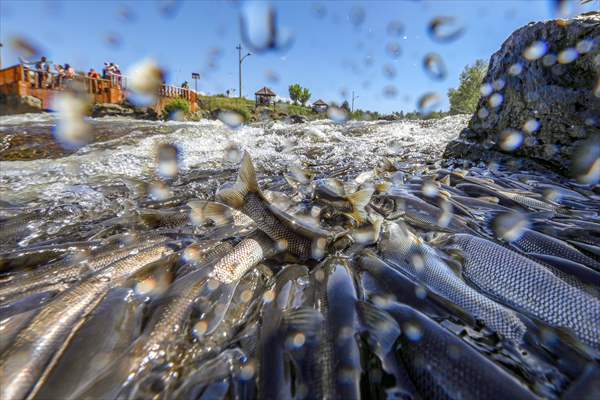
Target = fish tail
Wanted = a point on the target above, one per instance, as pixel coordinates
(235, 195)
(204, 211)
(380, 324)
(359, 201)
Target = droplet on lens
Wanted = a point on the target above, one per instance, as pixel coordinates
(232, 119)
(390, 91)
(531, 125)
(535, 50)
(495, 100)
(586, 161)
(515, 69)
(393, 49)
(510, 140)
(260, 28)
(395, 28)
(567, 55)
(337, 114)
(444, 29)
(434, 66)
(509, 226)
(428, 102)
(357, 16)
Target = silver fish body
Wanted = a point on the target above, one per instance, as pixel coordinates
(530, 287)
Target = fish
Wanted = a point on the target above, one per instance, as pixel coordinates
(527, 286)
(330, 365)
(119, 314)
(213, 283)
(62, 275)
(331, 192)
(441, 365)
(37, 347)
(411, 254)
(203, 212)
(282, 316)
(290, 234)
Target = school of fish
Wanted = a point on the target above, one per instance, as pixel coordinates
(400, 281)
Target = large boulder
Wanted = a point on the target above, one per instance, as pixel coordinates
(541, 96)
(15, 104)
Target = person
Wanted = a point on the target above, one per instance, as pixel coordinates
(94, 76)
(105, 71)
(60, 74)
(69, 72)
(185, 85)
(117, 73)
(42, 69)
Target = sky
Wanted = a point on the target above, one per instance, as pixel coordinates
(374, 48)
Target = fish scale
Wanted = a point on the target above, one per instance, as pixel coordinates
(438, 276)
(528, 286)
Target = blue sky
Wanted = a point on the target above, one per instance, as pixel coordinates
(329, 54)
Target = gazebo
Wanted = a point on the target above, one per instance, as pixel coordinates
(264, 96)
(320, 106)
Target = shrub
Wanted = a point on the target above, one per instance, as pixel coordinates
(176, 105)
(464, 99)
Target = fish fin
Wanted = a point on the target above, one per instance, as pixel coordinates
(203, 211)
(335, 185)
(305, 320)
(359, 201)
(556, 338)
(445, 180)
(235, 195)
(489, 199)
(455, 260)
(318, 247)
(301, 175)
(380, 324)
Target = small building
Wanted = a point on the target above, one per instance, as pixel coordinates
(264, 96)
(320, 106)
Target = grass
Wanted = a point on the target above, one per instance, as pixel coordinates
(247, 108)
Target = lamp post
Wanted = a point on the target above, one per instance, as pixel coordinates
(353, 98)
(195, 77)
(240, 60)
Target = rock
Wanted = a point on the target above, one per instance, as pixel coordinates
(123, 110)
(15, 104)
(297, 119)
(538, 109)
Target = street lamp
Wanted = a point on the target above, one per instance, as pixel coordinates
(195, 77)
(241, 59)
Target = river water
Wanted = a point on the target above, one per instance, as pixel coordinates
(65, 207)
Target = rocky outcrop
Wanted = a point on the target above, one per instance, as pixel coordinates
(15, 104)
(541, 96)
(123, 110)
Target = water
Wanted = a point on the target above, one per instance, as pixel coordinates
(133, 182)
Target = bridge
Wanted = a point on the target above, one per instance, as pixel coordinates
(23, 81)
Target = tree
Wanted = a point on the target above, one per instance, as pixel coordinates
(295, 92)
(463, 100)
(346, 106)
(304, 96)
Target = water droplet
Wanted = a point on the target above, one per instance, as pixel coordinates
(495, 100)
(483, 113)
(160, 191)
(395, 28)
(486, 89)
(247, 371)
(319, 10)
(515, 69)
(434, 66)
(499, 84)
(260, 28)
(113, 39)
(337, 114)
(413, 331)
(444, 29)
(421, 292)
(428, 102)
(535, 50)
(213, 284)
(232, 119)
(429, 189)
(167, 158)
(509, 226)
(586, 161)
(393, 49)
(246, 296)
(269, 296)
(357, 16)
(145, 78)
(531, 125)
(272, 76)
(72, 130)
(233, 153)
(510, 139)
(200, 328)
(567, 55)
(298, 340)
(390, 91)
(584, 46)
(168, 8)
(145, 287)
(25, 47)
(389, 71)
(282, 244)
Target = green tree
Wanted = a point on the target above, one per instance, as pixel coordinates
(463, 100)
(304, 96)
(295, 92)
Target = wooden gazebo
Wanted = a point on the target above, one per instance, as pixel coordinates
(264, 96)
(320, 106)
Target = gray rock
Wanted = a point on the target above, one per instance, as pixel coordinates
(15, 104)
(544, 111)
(123, 110)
